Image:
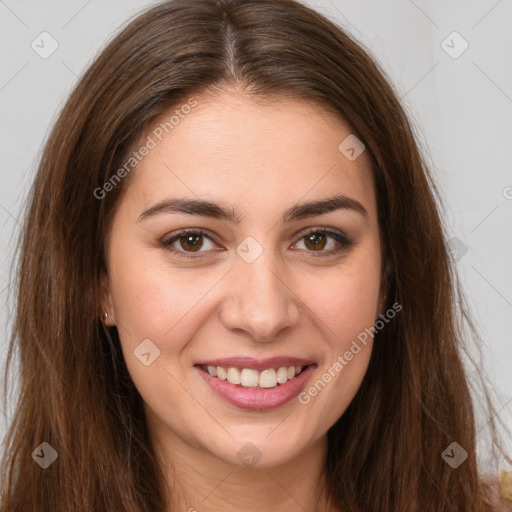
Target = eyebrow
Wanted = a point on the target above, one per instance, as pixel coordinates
(223, 212)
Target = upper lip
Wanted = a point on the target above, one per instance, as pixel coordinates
(256, 364)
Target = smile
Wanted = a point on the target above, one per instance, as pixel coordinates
(254, 379)
(256, 389)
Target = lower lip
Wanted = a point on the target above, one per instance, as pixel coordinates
(258, 399)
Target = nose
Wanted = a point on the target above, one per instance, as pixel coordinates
(260, 299)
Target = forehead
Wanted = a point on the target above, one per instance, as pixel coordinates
(249, 152)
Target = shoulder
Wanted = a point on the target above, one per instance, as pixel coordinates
(499, 491)
(506, 487)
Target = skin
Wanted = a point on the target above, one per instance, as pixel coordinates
(261, 159)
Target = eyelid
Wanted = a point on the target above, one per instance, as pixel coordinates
(167, 241)
(325, 230)
(344, 242)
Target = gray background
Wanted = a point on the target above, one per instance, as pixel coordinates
(461, 109)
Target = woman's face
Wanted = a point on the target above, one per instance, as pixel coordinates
(256, 292)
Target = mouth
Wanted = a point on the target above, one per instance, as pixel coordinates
(257, 386)
(254, 379)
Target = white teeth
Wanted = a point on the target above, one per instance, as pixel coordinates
(234, 375)
(282, 375)
(268, 379)
(251, 378)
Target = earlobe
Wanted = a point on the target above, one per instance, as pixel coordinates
(384, 286)
(107, 307)
(382, 305)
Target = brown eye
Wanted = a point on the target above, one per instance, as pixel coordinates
(185, 243)
(317, 241)
(190, 242)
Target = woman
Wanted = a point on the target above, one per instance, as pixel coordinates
(234, 284)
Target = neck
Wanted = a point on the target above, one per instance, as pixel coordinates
(197, 480)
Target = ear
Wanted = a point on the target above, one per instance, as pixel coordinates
(382, 302)
(107, 305)
(383, 288)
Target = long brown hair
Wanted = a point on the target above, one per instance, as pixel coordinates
(75, 391)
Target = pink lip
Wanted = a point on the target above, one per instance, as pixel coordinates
(258, 399)
(256, 364)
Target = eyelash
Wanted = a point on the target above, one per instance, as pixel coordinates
(343, 241)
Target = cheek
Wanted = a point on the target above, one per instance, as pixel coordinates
(346, 300)
(150, 304)
(149, 301)
(345, 305)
